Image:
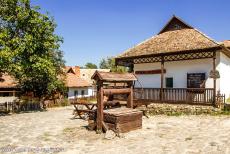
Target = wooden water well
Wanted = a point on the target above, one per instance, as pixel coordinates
(117, 119)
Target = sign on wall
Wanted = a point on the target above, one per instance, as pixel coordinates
(196, 80)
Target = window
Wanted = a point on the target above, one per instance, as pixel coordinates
(75, 93)
(169, 82)
(83, 92)
(177, 27)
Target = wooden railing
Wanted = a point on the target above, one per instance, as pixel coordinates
(176, 95)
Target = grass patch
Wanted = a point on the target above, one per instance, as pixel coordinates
(66, 130)
(188, 138)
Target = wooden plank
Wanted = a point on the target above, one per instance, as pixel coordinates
(130, 98)
(129, 126)
(116, 91)
(214, 79)
(157, 71)
(100, 108)
(162, 78)
(122, 118)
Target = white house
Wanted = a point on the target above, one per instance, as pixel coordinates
(79, 82)
(180, 64)
(77, 87)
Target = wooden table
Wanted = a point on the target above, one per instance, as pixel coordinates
(83, 108)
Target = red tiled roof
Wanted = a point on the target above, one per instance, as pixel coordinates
(72, 81)
(226, 43)
(7, 81)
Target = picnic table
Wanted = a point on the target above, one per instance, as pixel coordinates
(82, 108)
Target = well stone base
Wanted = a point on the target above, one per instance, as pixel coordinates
(179, 109)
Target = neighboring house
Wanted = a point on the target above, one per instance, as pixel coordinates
(88, 73)
(179, 61)
(226, 43)
(77, 86)
(8, 86)
(79, 82)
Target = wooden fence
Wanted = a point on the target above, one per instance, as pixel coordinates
(18, 107)
(176, 95)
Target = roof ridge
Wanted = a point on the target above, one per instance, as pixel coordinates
(206, 36)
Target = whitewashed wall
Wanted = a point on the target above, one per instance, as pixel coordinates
(178, 70)
(224, 69)
(88, 92)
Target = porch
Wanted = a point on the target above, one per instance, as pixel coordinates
(192, 96)
(192, 88)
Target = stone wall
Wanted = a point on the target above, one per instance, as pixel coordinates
(179, 109)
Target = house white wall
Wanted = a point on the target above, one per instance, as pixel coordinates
(224, 70)
(178, 70)
(88, 91)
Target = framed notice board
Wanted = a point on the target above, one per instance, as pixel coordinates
(196, 80)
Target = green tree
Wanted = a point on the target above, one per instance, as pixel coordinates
(90, 66)
(29, 48)
(109, 63)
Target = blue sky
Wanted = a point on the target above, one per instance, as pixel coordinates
(95, 29)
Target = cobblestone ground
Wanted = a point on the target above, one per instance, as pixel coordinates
(54, 131)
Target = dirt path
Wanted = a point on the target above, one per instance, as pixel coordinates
(54, 131)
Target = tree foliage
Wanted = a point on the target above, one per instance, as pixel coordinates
(29, 48)
(90, 66)
(109, 63)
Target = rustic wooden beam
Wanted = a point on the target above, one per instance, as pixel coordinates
(100, 108)
(130, 98)
(157, 71)
(162, 78)
(116, 91)
(214, 79)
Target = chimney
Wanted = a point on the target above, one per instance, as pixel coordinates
(77, 71)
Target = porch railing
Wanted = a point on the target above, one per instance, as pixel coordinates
(176, 95)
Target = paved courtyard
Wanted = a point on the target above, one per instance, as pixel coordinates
(54, 131)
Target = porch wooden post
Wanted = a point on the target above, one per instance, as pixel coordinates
(214, 79)
(162, 78)
(100, 106)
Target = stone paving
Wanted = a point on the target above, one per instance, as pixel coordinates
(55, 131)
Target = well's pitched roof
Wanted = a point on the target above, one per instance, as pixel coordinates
(7, 81)
(176, 36)
(114, 77)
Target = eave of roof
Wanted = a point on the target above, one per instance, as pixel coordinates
(114, 77)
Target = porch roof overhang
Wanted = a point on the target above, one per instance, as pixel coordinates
(166, 57)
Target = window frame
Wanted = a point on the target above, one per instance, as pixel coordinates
(166, 82)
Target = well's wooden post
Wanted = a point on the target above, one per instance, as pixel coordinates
(130, 97)
(100, 107)
(162, 78)
(214, 79)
